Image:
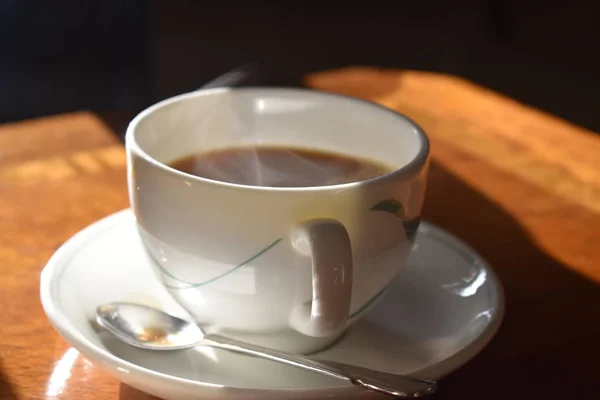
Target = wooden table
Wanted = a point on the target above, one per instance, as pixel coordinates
(520, 186)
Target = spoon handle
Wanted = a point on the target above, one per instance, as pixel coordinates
(399, 386)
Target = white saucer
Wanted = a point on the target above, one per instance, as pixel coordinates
(439, 313)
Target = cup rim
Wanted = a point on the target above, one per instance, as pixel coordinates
(414, 165)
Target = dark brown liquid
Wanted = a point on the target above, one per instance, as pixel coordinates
(279, 167)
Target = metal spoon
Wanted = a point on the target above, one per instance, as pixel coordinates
(152, 329)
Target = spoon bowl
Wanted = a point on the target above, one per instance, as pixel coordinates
(148, 328)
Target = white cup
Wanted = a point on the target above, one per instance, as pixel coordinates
(289, 268)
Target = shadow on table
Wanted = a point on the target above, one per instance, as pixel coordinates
(6, 390)
(524, 360)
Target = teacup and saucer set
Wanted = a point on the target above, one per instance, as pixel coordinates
(344, 273)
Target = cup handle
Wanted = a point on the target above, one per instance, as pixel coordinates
(327, 243)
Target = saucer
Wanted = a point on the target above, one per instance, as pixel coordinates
(441, 310)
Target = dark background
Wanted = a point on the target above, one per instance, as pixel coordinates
(119, 56)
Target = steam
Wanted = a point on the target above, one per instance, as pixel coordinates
(228, 133)
(281, 167)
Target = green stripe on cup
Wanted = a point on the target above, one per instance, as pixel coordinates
(224, 274)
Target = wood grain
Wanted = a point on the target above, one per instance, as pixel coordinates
(520, 186)
(540, 149)
(57, 175)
